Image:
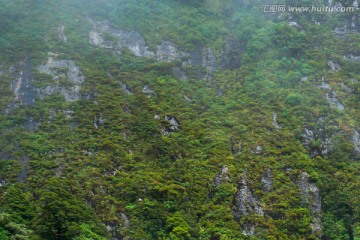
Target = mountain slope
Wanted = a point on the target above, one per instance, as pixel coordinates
(178, 120)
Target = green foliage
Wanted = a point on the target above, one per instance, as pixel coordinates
(334, 229)
(123, 172)
(61, 215)
(4, 234)
(88, 234)
(293, 99)
(177, 227)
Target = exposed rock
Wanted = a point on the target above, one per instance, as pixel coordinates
(307, 138)
(131, 40)
(347, 88)
(266, 180)
(3, 183)
(23, 88)
(168, 52)
(61, 35)
(293, 24)
(126, 134)
(105, 36)
(334, 66)
(326, 146)
(249, 229)
(60, 69)
(352, 58)
(353, 22)
(174, 124)
(310, 196)
(112, 229)
(180, 74)
(188, 99)
(338, 4)
(134, 42)
(356, 4)
(126, 220)
(334, 101)
(258, 149)
(224, 176)
(10, 107)
(209, 62)
(356, 141)
(275, 124)
(125, 88)
(172, 127)
(68, 114)
(245, 203)
(97, 40)
(59, 170)
(12, 69)
(157, 117)
(196, 58)
(324, 86)
(52, 114)
(231, 53)
(340, 31)
(318, 141)
(148, 91)
(98, 121)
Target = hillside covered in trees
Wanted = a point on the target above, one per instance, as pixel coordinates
(179, 120)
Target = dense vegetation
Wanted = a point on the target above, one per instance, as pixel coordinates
(101, 167)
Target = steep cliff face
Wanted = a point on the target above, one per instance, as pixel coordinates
(310, 197)
(22, 87)
(246, 204)
(140, 126)
(59, 70)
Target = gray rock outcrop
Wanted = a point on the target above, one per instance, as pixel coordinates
(173, 125)
(168, 52)
(125, 89)
(246, 204)
(347, 89)
(224, 176)
(310, 196)
(132, 40)
(333, 100)
(60, 69)
(61, 34)
(356, 141)
(231, 53)
(352, 58)
(103, 35)
(274, 122)
(334, 66)
(266, 180)
(23, 89)
(148, 91)
(318, 139)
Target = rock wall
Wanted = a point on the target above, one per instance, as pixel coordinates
(310, 196)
